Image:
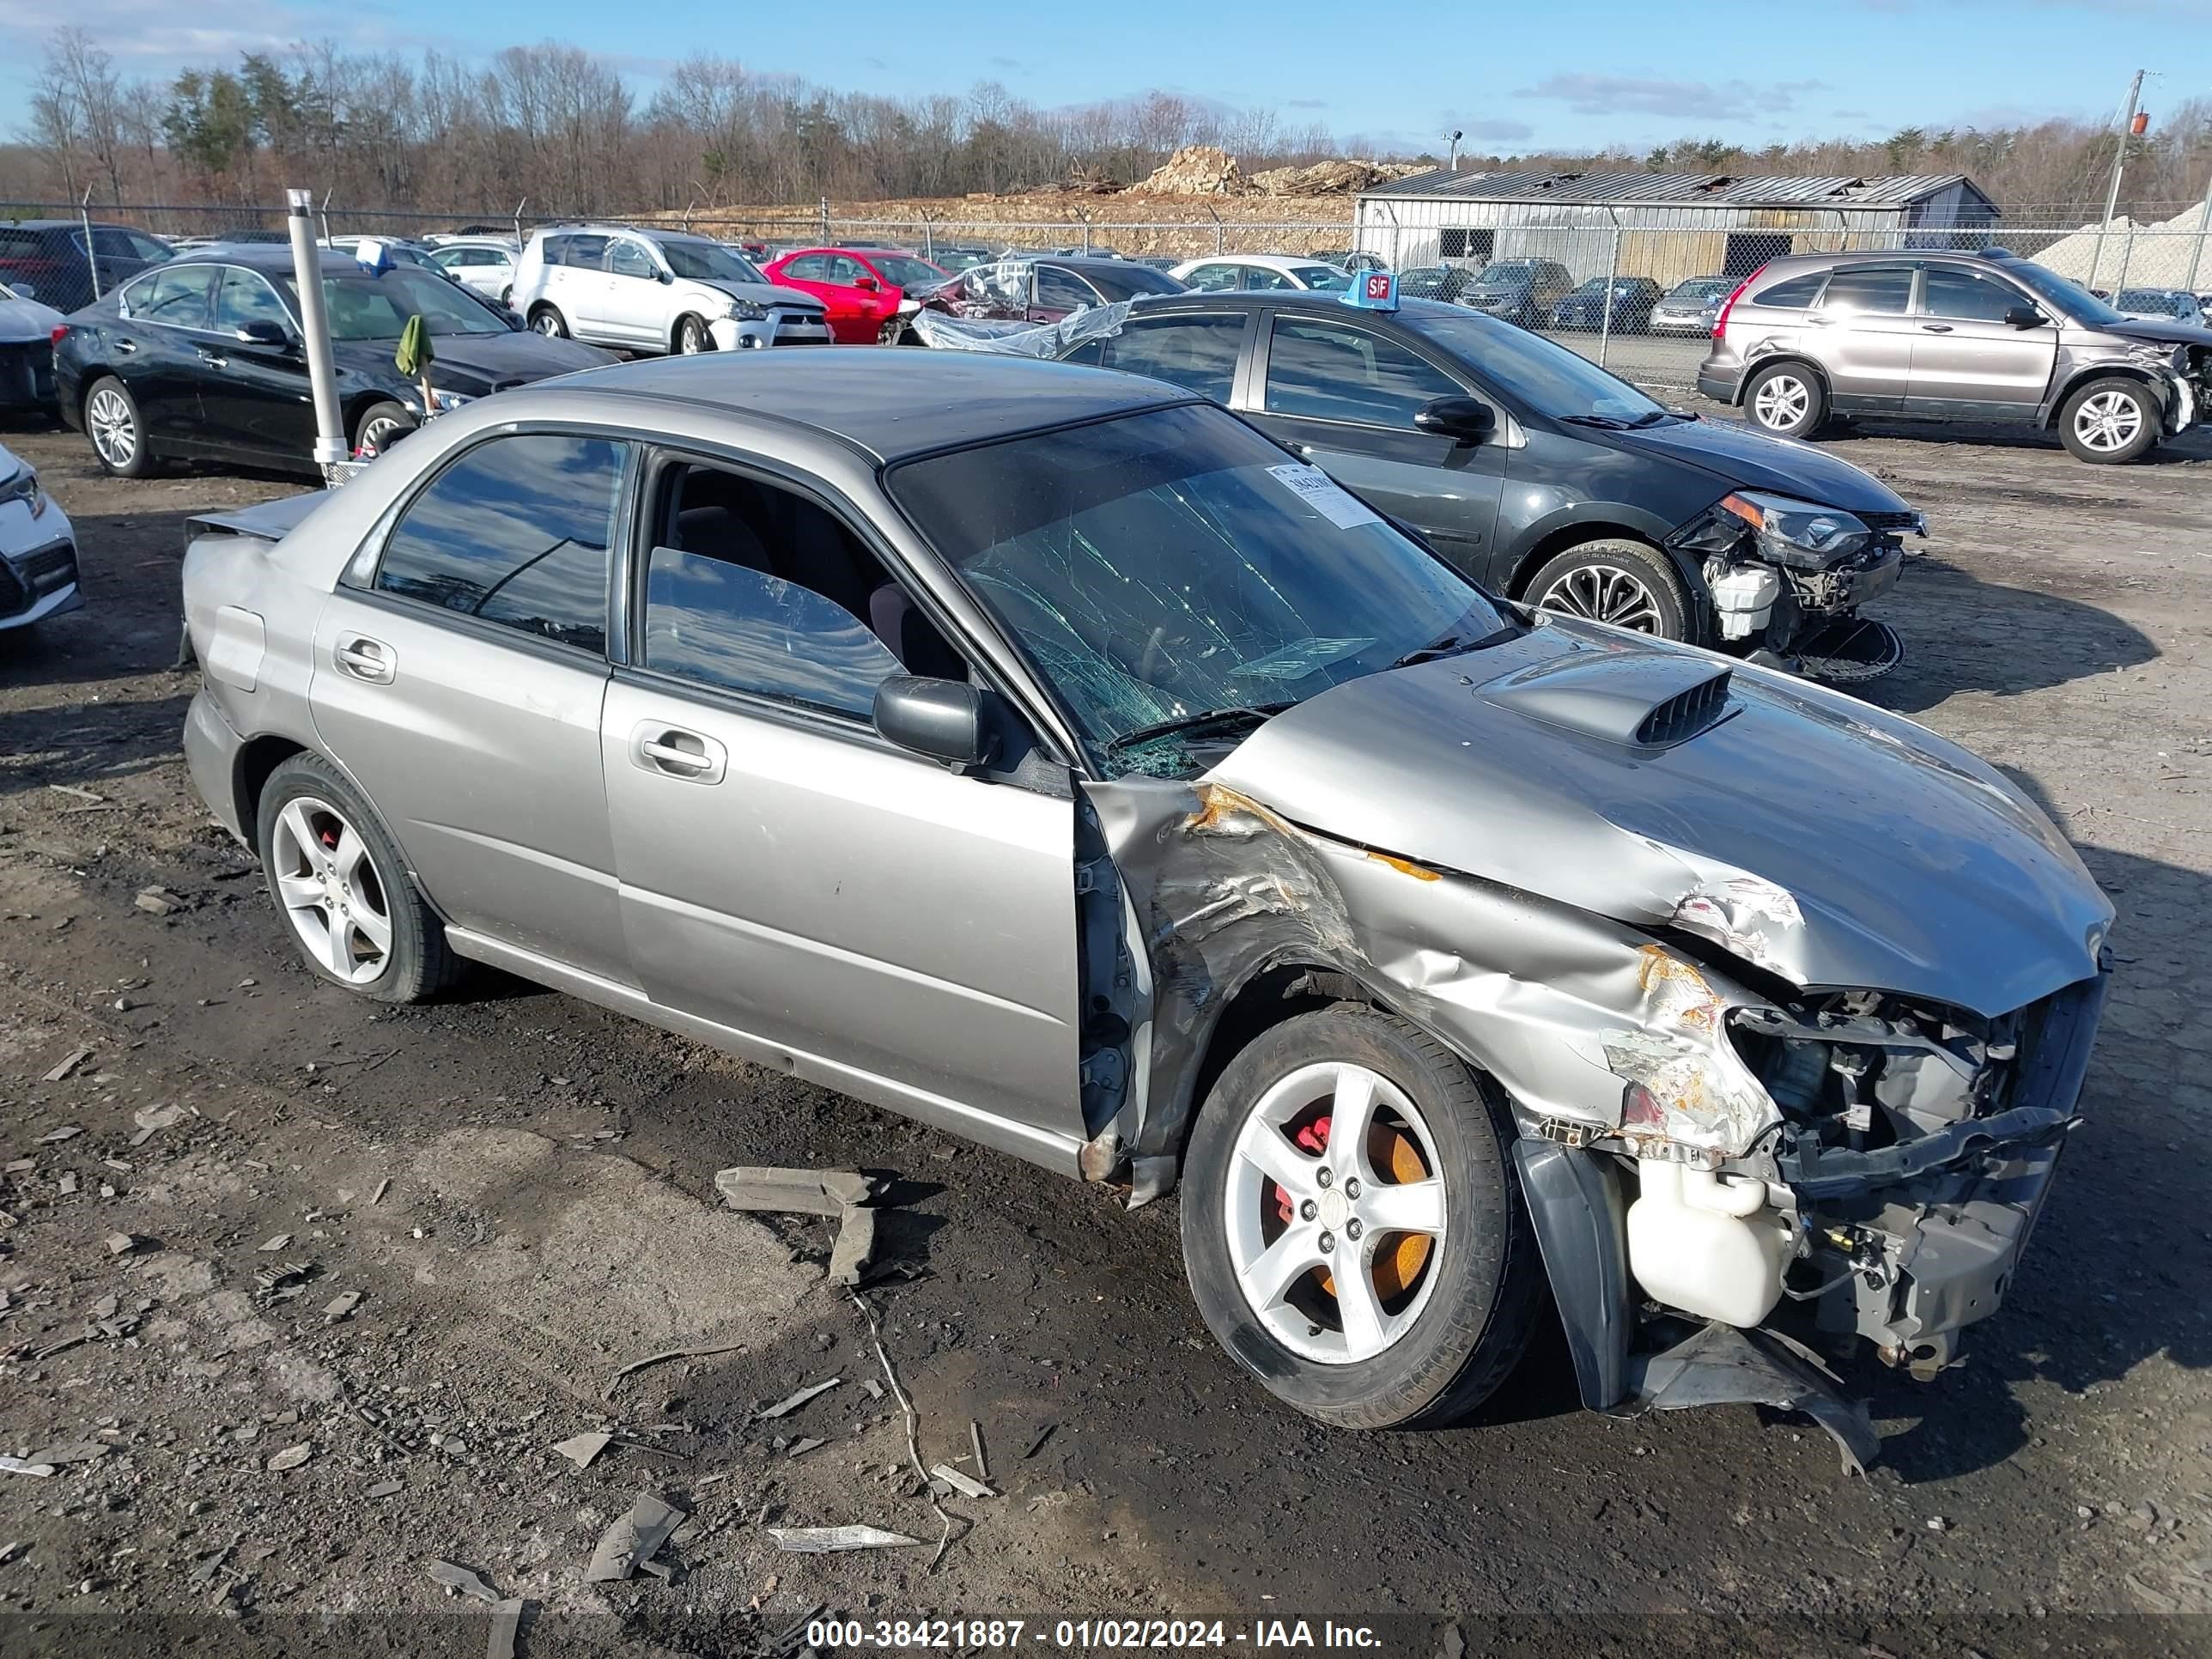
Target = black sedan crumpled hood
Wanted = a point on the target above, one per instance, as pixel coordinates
(476, 364)
(1815, 836)
(1743, 458)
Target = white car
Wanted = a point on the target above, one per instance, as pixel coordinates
(38, 550)
(397, 249)
(657, 291)
(1248, 272)
(485, 264)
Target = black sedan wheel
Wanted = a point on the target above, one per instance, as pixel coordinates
(382, 426)
(1624, 583)
(118, 432)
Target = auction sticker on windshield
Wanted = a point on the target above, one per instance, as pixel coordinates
(1325, 496)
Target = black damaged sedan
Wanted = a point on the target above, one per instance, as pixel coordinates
(201, 359)
(1538, 474)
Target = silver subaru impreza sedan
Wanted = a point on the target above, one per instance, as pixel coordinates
(1043, 753)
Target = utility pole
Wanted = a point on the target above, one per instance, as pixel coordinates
(2120, 161)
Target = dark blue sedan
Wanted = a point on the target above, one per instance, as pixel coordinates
(1633, 297)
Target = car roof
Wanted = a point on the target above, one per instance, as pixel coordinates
(1276, 261)
(262, 256)
(891, 404)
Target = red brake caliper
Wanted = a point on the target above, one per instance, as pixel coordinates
(1314, 1138)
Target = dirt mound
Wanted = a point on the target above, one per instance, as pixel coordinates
(1321, 179)
(1196, 170)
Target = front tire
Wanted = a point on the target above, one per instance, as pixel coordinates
(1352, 1229)
(2110, 420)
(381, 425)
(550, 322)
(1625, 583)
(117, 430)
(1787, 400)
(692, 337)
(343, 889)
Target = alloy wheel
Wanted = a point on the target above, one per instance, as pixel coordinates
(549, 324)
(1782, 402)
(2108, 421)
(330, 891)
(691, 337)
(377, 435)
(114, 430)
(1335, 1212)
(1606, 594)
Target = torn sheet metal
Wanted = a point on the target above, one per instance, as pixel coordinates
(1047, 340)
(829, 1541)
(1545, 998)
(633, 1541)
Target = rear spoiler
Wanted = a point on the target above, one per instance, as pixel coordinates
(268, 522)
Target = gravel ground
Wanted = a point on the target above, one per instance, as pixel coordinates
(518, 1190)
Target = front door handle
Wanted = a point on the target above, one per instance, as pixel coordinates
(126, 346)
(214, 359)
(688, 756)
(365, 658)
(1936, 328)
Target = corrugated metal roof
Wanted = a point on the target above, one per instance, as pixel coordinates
(1610, 189)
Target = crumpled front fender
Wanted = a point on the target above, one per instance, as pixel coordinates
(1565, 1009)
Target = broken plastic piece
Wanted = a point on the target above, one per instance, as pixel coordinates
(24, 1466)
(634, 1540)
(581, 1449)
(966, 1484)
(461, 1578)
(825, 1541)
(855, 1247)
(290, 1458)
(506, 1626)
(75, 1058)
(820, 1192)
(1722, 1365)
(791, 1403)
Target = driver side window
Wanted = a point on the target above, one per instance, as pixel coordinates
(244, 298)
(1330, 372)
(628, 259)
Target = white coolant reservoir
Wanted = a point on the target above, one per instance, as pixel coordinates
(1708, 1247)
(1743, 599)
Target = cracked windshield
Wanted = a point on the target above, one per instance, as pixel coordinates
(1178, 581)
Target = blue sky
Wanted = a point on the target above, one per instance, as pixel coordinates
(1535, 74)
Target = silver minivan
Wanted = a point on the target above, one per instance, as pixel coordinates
(1984, 336)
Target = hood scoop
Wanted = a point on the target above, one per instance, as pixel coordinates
(1642, 700)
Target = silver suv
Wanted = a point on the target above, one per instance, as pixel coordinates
(650, 291)
(1955, 337)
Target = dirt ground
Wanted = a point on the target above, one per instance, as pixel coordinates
(518, 1190)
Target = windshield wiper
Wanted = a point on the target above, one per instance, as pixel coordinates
(1607, 422)
(1455, 644)
(1204, 720)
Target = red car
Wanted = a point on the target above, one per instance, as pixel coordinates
(865, 289)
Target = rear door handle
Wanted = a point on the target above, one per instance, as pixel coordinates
(1936, 328)
(657, 747)
(126, 345)
(365, 658)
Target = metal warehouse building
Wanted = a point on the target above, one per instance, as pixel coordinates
(1669, 225)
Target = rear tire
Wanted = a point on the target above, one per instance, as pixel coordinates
(1450, 1310)
(117, 430)
(2109, 422)
(1786, 399)
(338, 881)
(1615, 580)
(550, 322)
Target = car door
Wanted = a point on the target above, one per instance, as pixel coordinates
(578, 286)
(1967, 361)
(828, 278)
(788, 875)
(1218, 276)
(256, 400)
(459, 673)
(636, 304)
(1055, 294)
(158, 346)
(1343, 395)
(1861, 333)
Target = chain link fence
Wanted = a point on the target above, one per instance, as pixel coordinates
(1637, 297)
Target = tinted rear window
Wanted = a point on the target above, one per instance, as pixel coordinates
(1794, 295)
(1885, 292)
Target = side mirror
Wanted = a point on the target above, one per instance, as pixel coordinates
(868, 285)
(23, 290)
(261, 332)
(941, 719)
(1469, 419)
(2023, 317)
(665, 277)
